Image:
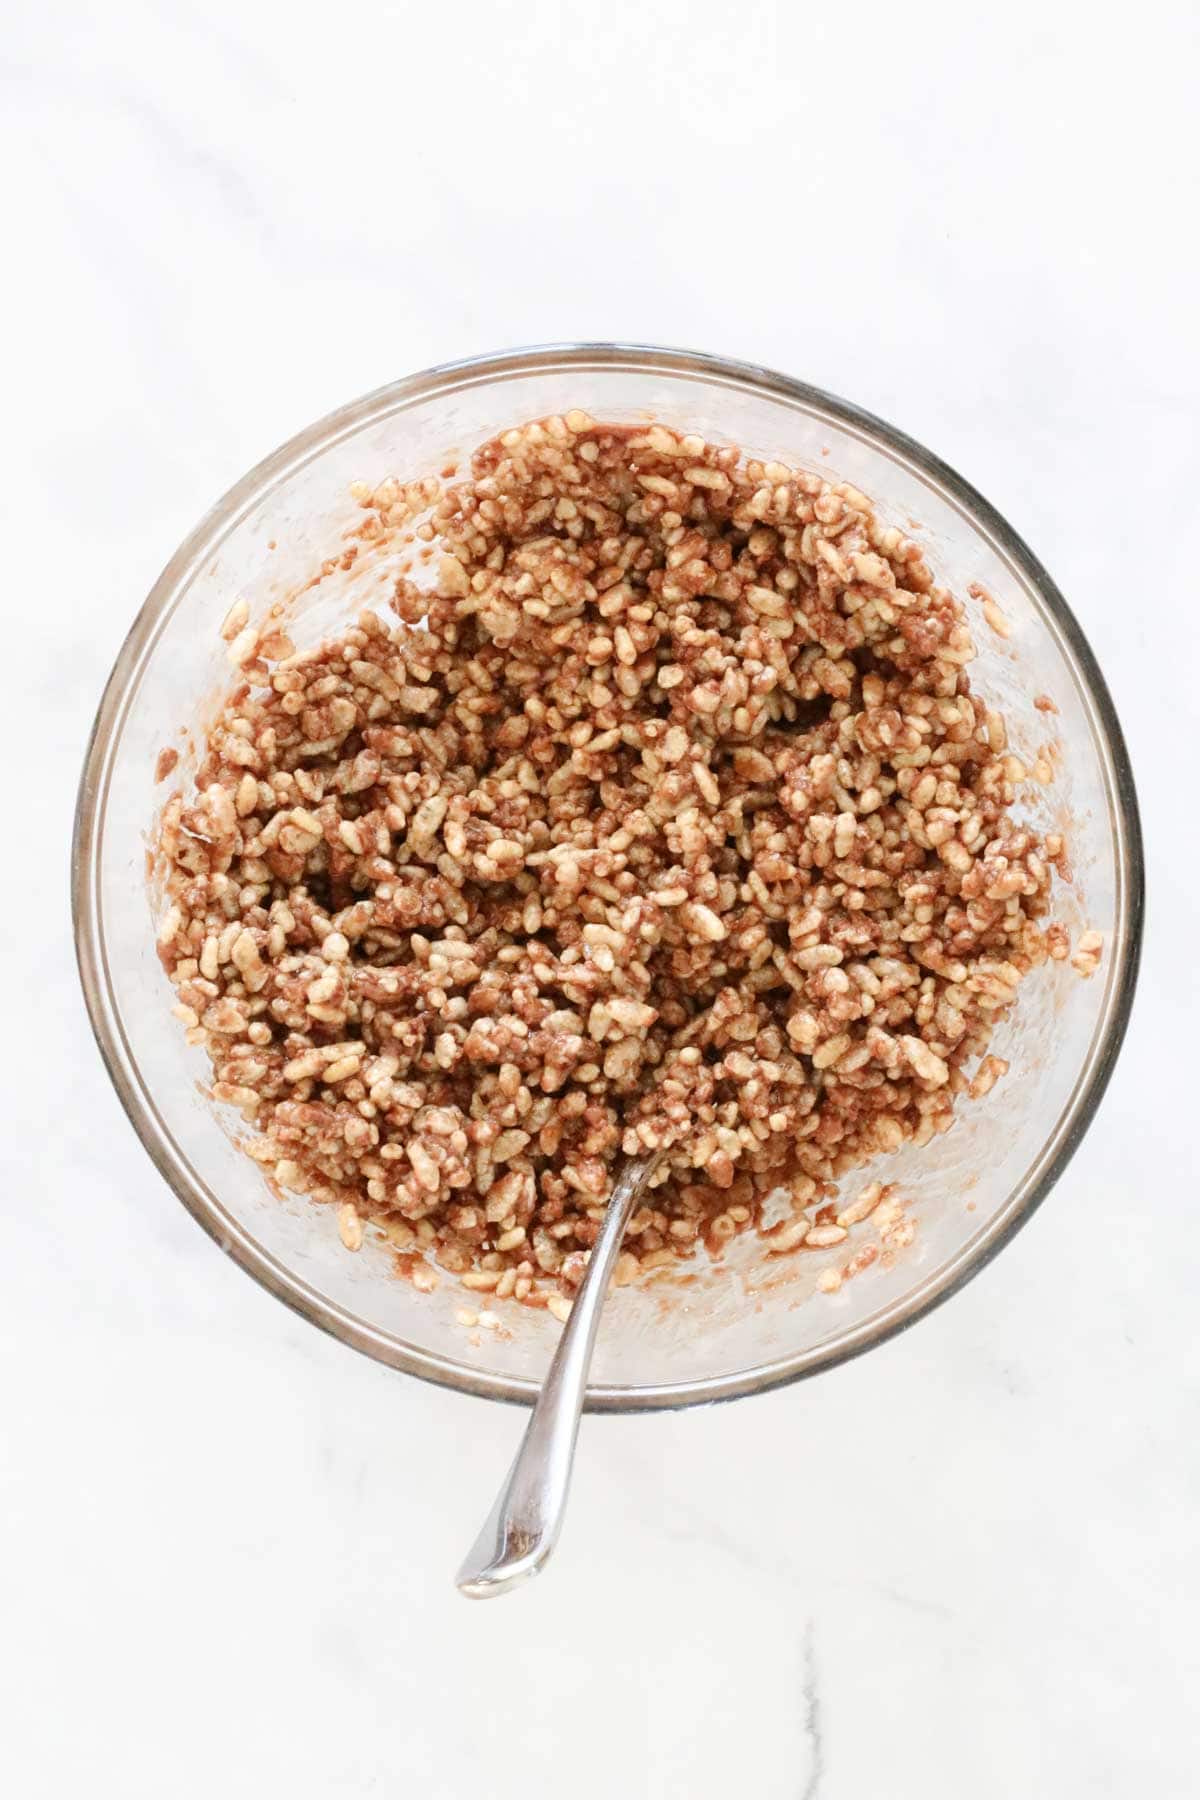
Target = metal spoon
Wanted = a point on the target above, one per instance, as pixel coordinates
(523, 1526)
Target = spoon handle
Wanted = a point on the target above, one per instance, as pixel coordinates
(523, 1526)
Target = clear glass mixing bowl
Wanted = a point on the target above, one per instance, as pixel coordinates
(707, 1333)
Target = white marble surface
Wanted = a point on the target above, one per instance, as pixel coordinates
(964, 1566)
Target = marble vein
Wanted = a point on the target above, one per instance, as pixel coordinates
(811, 1720)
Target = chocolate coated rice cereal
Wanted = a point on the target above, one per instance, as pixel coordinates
(668, 821)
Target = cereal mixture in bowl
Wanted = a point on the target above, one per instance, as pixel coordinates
(667, 820)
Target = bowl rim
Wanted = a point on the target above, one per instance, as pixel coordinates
(223, 517)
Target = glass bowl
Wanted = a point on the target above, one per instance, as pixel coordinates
(708, 1332)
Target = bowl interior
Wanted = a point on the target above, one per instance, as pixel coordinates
(707, 1331)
